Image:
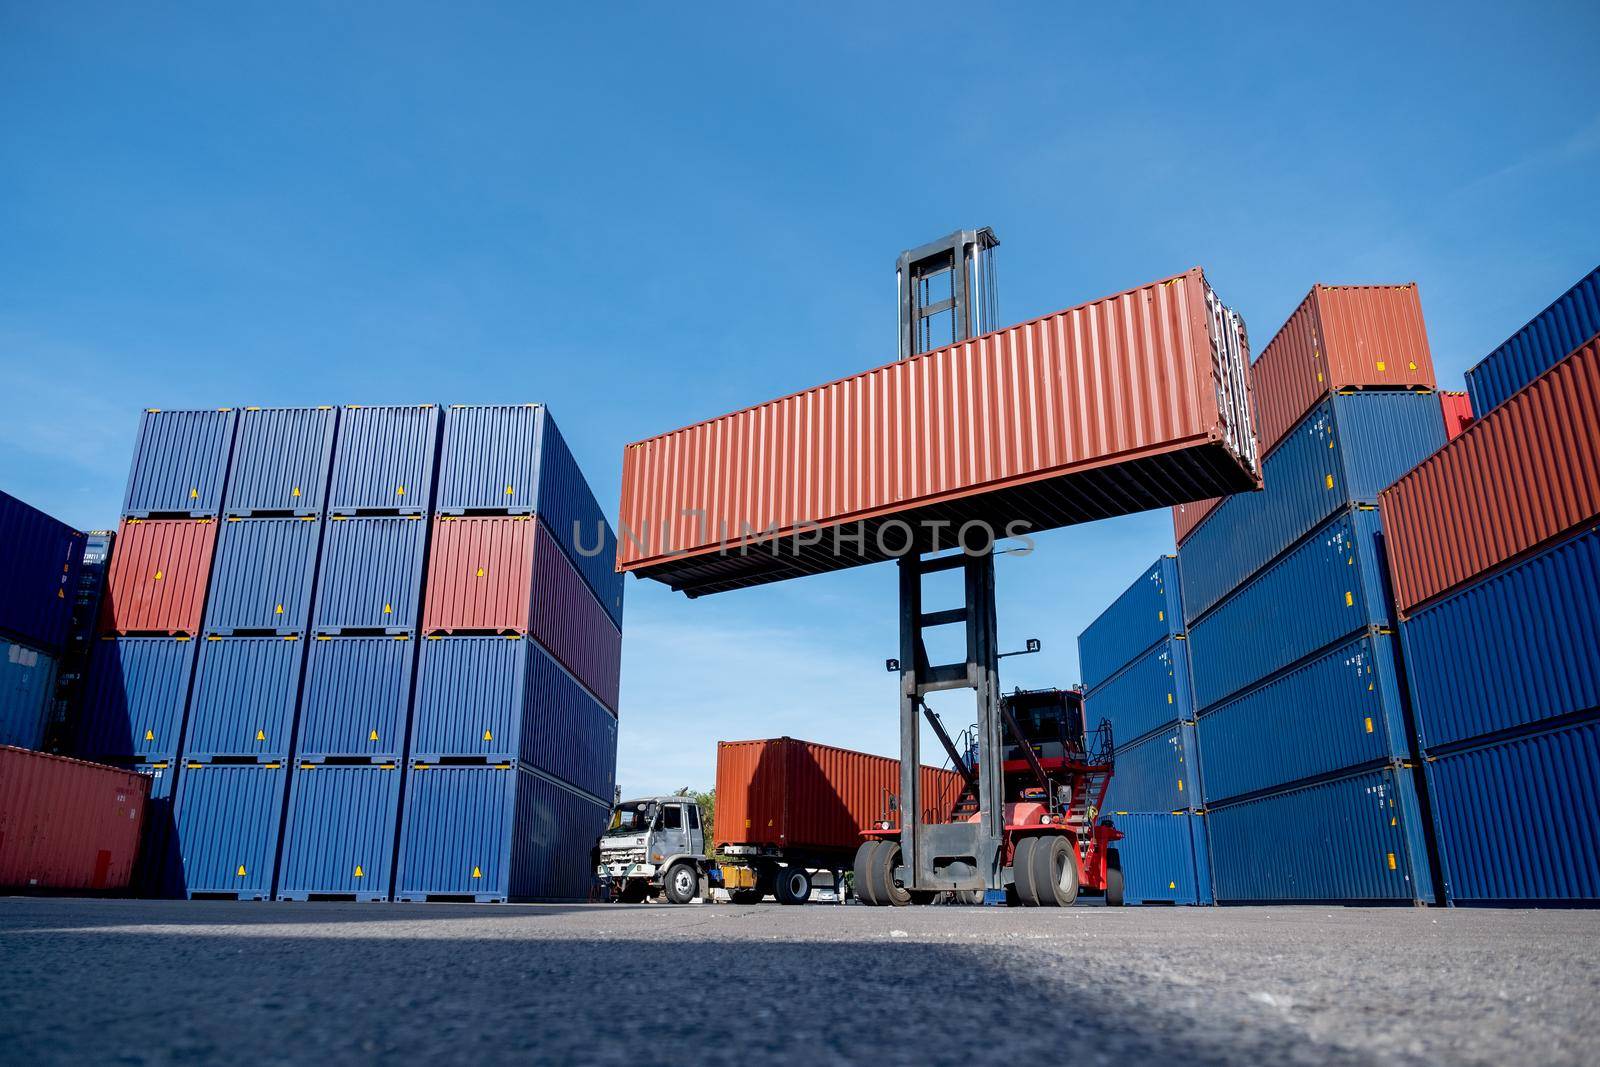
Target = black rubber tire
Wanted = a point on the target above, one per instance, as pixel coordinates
(681, 883)
(746, 896)
(792, 885)
(1022, 872)
(633, 891)
(884, 861)
(1055, 872)
(862, 873)
(1113, 878)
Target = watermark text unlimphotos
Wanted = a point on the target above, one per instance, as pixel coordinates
(879, 539)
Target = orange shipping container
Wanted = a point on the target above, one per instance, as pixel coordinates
(785, 793)
(1457, 408)
(1340, 337)
(66, 824)
(1135, 401)
(157, 580)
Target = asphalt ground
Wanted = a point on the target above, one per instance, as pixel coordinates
(103, 981)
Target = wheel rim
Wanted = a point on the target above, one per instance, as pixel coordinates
(1064, 886)
(683, 882)
(795, 883)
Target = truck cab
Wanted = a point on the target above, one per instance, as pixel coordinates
(655, 847)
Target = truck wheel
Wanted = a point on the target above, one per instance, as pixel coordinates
(1113, 878)
(866, 888)
(792, 885)
(1055, 872)
(1022, 872)
(681, 883)
(746, 896)
(885, 860)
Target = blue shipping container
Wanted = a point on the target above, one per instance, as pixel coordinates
(1513, 649)
(1163, 858)
(228, 817)
(159, 870)
(1159, 773)
(383, 459)
(496, 833)
(338, 838)
(1147, 694)
(1516, 818)
(39, 562)
(27, 690)
(357, 698)
(1359, 838)
(503, 699)
(1329, 587)
(1146, 612)
(512, 459)
(180, 463)
(280, 461)
(245, 692)
(1552, 335)
(370, 577)
(263, 575)
(1345, 451)
(134, 696)
(1335, 712)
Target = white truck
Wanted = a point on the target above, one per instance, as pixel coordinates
(655, 849)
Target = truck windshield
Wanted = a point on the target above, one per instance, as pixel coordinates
(633, 817)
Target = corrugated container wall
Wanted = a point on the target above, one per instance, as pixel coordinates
(383, 460)
(228, 817)
(1145, 695)
(38, 575)
(370, 576)
(263, 576)
(27, 686)
(158, 576)
(134, 699)
(356, 697)
(1135, 401)
(799, 794)
(280, 461)
(1147, 612)
(159, 870)
(1566, 324)
(1521, 476)
(245, 693)
(339, 834)
(1163, 858)
(180, 463)
(1457, 411)
(67, 825)
(1159, 773)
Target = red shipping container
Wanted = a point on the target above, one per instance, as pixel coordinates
(1340, 337)
(1135, 401)
(787, 793)
(1457, 408)
(157, 580)
(505, 574)
(1520, 477)
(66, 824)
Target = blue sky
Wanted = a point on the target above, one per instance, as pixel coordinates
(644, 216)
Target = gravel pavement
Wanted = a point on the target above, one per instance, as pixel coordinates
(166, 981)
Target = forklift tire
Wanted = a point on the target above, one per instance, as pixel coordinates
(875, 864)
(1022, 872)
(681, 883)
(746, 896)
(861, 873)
(1113, 878)
(792, 885)
(1055, 872)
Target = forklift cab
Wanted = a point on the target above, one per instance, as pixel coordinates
(1051, 721)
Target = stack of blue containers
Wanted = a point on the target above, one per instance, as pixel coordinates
(1302, 725)
(39, 562)
(1135, 664)
(512, 757)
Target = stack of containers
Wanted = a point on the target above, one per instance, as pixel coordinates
(240, 729)
(1495, 551)
(39, 560)
(344, 796)
(1302, 723)
(80, 645)
(513, 739)
(1135, 663)
(142, 662)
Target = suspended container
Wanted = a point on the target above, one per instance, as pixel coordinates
(280, 461)
(1520, 477)
(263, 577)
(1356, 839)
(38, 575)
(1349, 449)
(383, 460)
(136, 691)
(496, 833)
(66, 825)
(157, 580)
(27, 690)
(1163, 858)
(494, 700)
(357, 699)
(510, 459)
(1159, 773)
(338, 838)
(1572, 320)
(1152, 692)
(245, 693)
(370, 578)
(1119, 405)
(180, 463)
(227, 819)
(1147, 613)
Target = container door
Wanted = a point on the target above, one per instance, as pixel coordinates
(672, 835)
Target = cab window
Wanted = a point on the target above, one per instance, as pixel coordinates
(694, 818)
(672, 817)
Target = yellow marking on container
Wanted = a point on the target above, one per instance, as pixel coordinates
(1319, 377)
(1349, 599)
(477, 872)
(1369, 724)
(1382, 366)
(1393, 821)
(373, 736)
(160, 575)
(1169, 698)
(241, 872)
(1392, 864)
(487, 736)
(295, 492)
(509, 490)
(480, 572)
(388, 609)
(1172, 885)
(1180, 785)
(400, 491)
(1327, 481)
(1161, 615)
(60, 595)
(149, 735)
(359, 872)
(194, 494)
